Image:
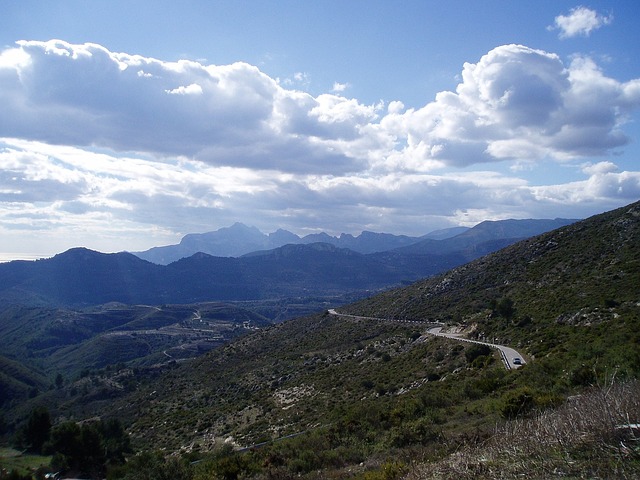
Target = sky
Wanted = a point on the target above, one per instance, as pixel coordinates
(128, 124)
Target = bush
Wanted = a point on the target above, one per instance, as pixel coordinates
(517, 403)
(153, 466)
(388, 471)
(476, 350)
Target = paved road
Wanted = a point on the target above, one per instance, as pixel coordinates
(509, 355)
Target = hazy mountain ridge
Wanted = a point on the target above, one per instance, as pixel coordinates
(240, 239)
(84, 277)
(485, 233)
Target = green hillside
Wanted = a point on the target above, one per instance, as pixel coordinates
(40, 345)
(376, 396)
(18, 381)
(328, 396)
(570, 298)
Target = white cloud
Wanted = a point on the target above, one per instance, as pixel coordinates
(112, 145)
(580, 21)
(517, 104)
(600, 168)
(300, 80)
(223, 115)
(14, 58)
(604, 186)
(193, 89)
(395, 107)
(339, 87)
(514, 104)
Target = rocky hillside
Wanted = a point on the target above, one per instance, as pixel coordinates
(343, 395)
(329, 396)
(582, 276)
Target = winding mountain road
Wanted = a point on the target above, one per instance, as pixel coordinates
(511, 358)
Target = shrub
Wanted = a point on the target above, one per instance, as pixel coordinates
(388, 471)
(517, 402)
(475, 351)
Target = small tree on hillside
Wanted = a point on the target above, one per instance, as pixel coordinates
(503, 308)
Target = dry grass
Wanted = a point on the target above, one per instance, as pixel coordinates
(594, 435)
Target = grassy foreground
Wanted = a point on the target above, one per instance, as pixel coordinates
(22, 464)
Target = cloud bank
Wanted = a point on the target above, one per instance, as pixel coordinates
(92, 139)
(516, 103)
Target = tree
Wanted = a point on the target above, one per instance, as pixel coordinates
(88, 448)
(476, 350)
(38, 429)
(116, 441)
(65, 445)
(504, 308)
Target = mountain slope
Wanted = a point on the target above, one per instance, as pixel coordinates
(484, 234)
(79, 276)
(577, 266)
(445, 233)
(575, 312)
(68, 342)
(346, 394)
(83, 277)
(18, 381)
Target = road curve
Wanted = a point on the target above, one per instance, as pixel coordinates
(511, 358)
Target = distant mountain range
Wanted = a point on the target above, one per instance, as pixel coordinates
(81, 277)
(240, 239)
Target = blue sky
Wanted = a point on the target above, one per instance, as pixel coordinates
(128, 124)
